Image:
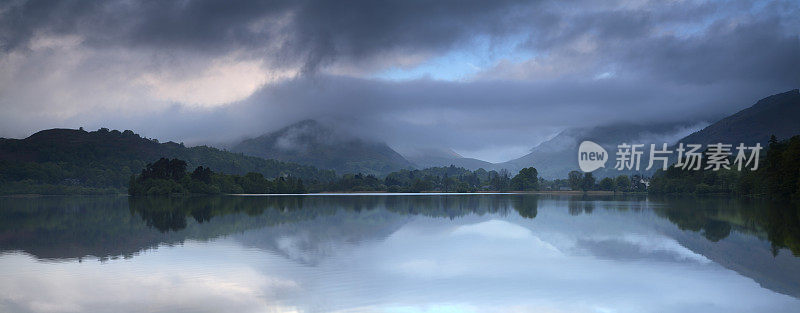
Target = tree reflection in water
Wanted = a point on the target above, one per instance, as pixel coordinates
(79, 226)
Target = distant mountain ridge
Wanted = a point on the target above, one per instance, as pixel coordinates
(556, 157)
(431, 157)
(777, 115)
(310, 142)
(107, 158)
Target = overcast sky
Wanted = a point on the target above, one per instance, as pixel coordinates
(490, 79)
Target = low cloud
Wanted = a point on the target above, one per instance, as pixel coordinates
(487, 79)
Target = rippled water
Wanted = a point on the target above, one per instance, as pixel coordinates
(397, 253)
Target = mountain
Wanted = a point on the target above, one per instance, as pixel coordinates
(106, 158)
(432, 157)
(312, 143)
(777, 115)
(556, 157)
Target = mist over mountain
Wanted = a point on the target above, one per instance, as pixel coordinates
(107, 159)
(437, 157)
(777, 115)
(507, 73)
(558, 156)
(310, 142)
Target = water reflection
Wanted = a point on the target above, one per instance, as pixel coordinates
(715, 218)
(395, 253)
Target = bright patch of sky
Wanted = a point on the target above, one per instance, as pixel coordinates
(462, 64)
(496, 154)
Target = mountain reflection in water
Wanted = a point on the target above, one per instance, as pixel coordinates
(421, 241)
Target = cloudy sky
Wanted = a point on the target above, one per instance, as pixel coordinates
(490, 79)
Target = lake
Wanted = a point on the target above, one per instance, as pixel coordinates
(398, 253)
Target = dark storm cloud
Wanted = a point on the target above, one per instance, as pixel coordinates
(317, 31)
(758, 51)
(472, 117)
(691, 44)
(161, 24)
(560, 64)
(361, 29)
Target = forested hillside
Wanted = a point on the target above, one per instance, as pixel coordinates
(311, 143)
(777, 176)
(74, 161)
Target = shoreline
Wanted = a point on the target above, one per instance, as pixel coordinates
(361, 193)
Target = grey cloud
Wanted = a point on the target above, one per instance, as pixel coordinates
(755, 51)
(472, 117)
(309, 32)
(667, 62)
(162, 24)
(737, 44)
(318, 33)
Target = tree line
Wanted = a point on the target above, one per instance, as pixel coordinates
(586, 182)
(169, 176)
(75, 161)
(777, 176)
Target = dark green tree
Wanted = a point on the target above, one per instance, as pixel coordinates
(526, 179)
(202, 174)
(607, 184)
(587, 182)
(575, 180)
(622, 183)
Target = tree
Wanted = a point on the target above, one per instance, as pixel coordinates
(421, 185)
(587, 183)
(202, 174)
(165, 169)
(607, 184)
(255, 183)
(527, 179)
(623, 183)
(499, 181)
(575, 180)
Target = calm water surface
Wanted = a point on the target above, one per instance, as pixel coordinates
(400, 253)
